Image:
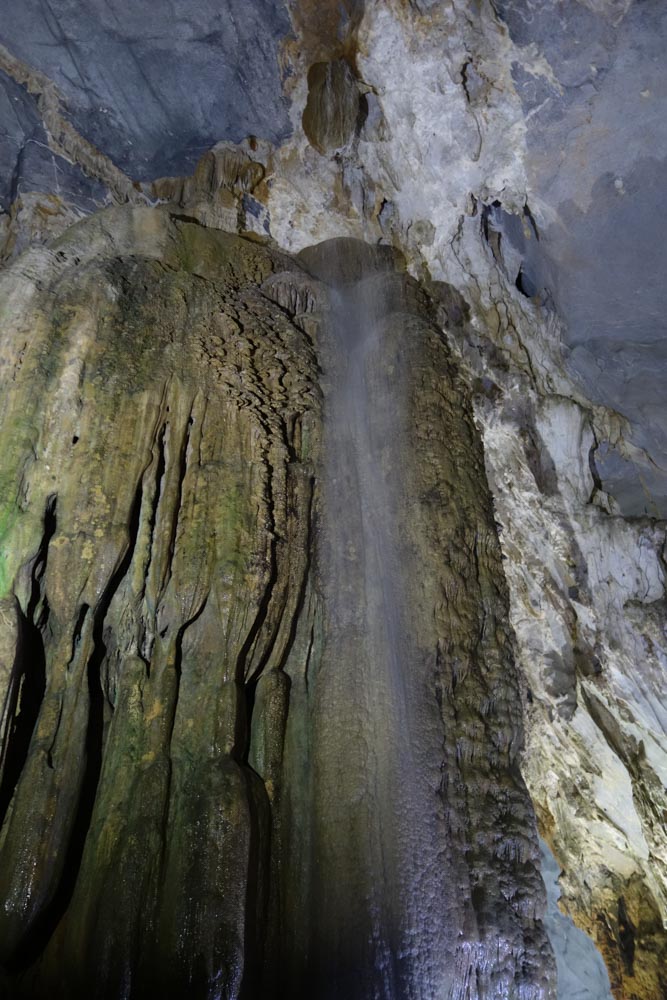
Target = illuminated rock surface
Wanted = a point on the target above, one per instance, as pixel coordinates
(204, 637)
(221, 718)
(581, 972)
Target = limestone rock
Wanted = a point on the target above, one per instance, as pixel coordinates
(519, 175)
(588, 611)
(198, 752)
(34, 218)
(332, 108)
(161, 417)
(151, 89)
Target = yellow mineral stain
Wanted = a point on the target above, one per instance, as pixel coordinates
(155, 710)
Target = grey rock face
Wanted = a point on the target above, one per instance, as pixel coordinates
(558, 108)
(20, 125)
(597, 147)
(27, 163)
(581, 972)
(154, 86)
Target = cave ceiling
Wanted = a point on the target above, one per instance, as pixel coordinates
(154, 86)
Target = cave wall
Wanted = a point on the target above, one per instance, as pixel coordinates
(520, 177)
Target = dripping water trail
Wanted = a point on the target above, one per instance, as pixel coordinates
(383, 884)
(367, 695)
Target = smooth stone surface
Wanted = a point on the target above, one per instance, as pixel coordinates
(27, 163)
(153, 87)
(581, 972)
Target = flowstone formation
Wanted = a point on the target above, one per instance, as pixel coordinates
(510, 157)
(156, 498)
(221, 776)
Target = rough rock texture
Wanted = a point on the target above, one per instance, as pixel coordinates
(188, 766)
(416, 723)
(513, 152)
(156, 497)
(588, 609)
(596, 146)
(333, 107)
(587, 586)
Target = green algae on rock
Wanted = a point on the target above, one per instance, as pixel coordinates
(159, 395)
(202, 754)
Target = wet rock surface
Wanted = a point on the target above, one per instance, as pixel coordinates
(333, 106)
(579, 90)
(511, 155)
(188, 766)
(415, 694)
(153, 557)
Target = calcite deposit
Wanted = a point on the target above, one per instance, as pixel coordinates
(332, 560)
(197, 672)
(164, 414)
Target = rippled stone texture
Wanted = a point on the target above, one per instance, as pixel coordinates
(157, 411)
(420, 807)
(185, 804)
(332, 109)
